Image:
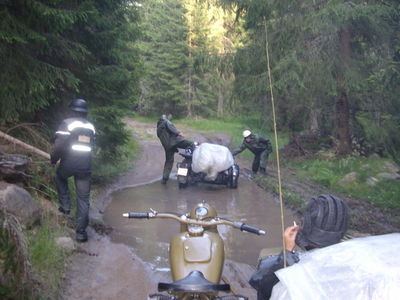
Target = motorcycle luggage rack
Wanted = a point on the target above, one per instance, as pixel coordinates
(194, 282)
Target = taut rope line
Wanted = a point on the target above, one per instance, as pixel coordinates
(276, 143)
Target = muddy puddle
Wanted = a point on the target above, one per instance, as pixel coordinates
(149, 238)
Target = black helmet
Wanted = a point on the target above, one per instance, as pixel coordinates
(78, 105)
(324, 222)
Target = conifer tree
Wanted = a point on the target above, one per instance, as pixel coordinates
(164, 52)
(34, 52)
(56, 50)
(324, 56)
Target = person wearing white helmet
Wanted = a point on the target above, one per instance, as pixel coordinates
(260, 146)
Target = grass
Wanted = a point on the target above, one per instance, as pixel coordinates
(234, 128)
(326, 171)
(231, 126)
(385, 194)
(47, 259)
(106, 170)
(292, 199)
(44, 262)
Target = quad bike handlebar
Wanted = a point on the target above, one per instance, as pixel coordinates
(184, 219)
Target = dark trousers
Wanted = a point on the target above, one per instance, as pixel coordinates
(169, 156)
(82, 188)
(260, 161)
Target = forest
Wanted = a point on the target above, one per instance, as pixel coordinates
(330, 68)
(334, 65)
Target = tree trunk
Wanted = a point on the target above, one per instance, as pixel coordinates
(343, 125)
(24, 145)
(342, 103)
(314, 124)
(221, 90)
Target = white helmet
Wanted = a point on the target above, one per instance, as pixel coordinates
(246, 133)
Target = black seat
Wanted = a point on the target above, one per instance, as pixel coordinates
(194, 282)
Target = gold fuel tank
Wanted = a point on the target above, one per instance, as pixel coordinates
(203, 253)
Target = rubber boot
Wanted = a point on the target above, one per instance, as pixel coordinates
(81, 236)
(64, 211)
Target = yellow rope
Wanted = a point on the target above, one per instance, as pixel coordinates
(276, 144)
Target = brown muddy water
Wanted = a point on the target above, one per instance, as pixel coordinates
(149, 238)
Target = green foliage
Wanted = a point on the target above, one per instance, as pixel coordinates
(330, 172)
(313, 65)
(47, 258)
(186, 49)
(291, 199)
(164, 54)
(15, 268)
(106, 170)
(59, 50)
(30, 35)
(110, 131)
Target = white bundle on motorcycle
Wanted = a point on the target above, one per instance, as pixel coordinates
(360, 268)
(211, 159)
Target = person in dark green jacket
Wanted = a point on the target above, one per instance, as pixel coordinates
(260, 146)
(171, 139)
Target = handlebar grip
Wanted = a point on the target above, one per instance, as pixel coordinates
(251, 229)
(136, 215)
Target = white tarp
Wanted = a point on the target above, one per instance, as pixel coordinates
(358, 269)
(211, 159)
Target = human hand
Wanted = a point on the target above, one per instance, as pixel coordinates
(290, 236)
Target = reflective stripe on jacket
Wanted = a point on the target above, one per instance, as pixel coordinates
(74, 144)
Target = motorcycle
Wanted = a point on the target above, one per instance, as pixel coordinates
(186, 176)
(196, 254)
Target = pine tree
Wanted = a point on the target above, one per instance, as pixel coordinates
(324, 55)
(56, 50)
(164, 53)
(34, 54)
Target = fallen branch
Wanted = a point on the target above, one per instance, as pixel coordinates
(24, 145)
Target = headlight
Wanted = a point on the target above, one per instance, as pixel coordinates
(201, 211)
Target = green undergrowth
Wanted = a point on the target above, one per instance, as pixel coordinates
(291, 199)
(382, 193)
(32, 266)
(107, 169)
(47, 259)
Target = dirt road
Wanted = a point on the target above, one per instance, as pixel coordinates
(101, 269)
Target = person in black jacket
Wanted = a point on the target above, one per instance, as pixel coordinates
(171, 139)
(324, 223)
(261, 148)
(73, 147)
